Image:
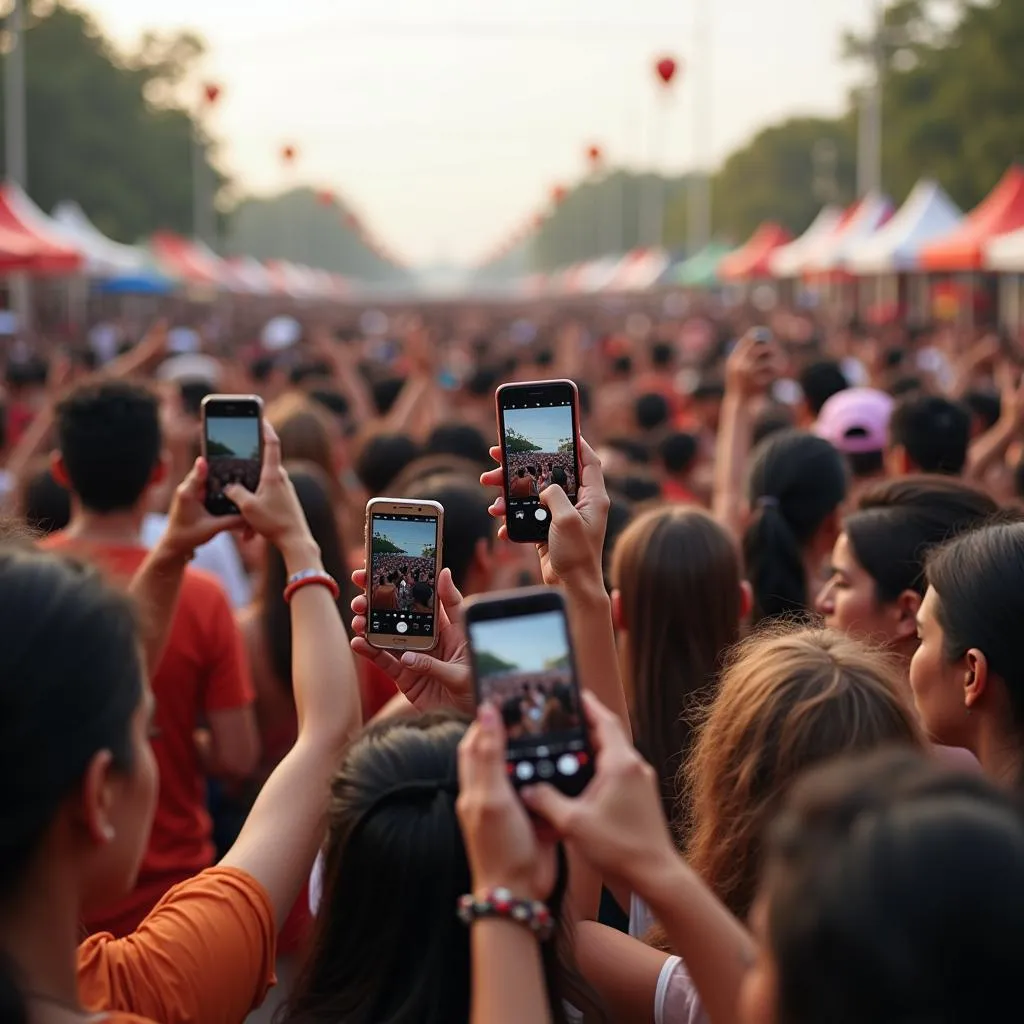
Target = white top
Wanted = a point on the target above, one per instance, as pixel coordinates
(676, 1000)
(219, 557)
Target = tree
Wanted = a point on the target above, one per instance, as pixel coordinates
(490, 664)
(384, 545)
(566, 445)
(429, 551)
(516, 443)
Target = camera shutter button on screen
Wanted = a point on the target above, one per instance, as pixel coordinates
(403, 627)
(541, 514)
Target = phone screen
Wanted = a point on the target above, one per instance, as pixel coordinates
(403, 575)
(233, 447)
(538, 438)
(524, 666)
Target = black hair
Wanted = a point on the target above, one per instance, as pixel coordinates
(422, 592)
(382, 459)
(313, 490)
(544, 357)
(889, 881)
(482, 381)
(652, 411)
(906, 386)
(979, 582)
(333, 401)
(820, 381)
(708, 390)
(310, 371)
(511, 712)
(31, 371)
(620, 515)
(864, 465)
(898, 522)
(636, 488)
(678, 452)
(635, 451)
(466, 519)
(461, 439)
(770, 420)
(70, 683)
(262, 368)
(560, 477)
(44, 504)
(385, 393)
(108, 433)
(192, 393)
(933, 431)
(662, 354)
(622, 366)
(985, 406)
(796, 481)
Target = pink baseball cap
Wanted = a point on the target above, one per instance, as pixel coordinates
(856, 420)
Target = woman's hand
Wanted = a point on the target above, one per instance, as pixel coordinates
(189, 524)
(575, 543)
(752, 367)
(429, 681)
(617, 824)
(273, 511)
(502, 845)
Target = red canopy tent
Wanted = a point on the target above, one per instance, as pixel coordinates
(26, 245)
(1001, 211)
(182, 260)
(752, 259)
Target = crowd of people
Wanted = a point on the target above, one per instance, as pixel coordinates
(794, 574)
(402, 584)
(533, 704)
(529, 473)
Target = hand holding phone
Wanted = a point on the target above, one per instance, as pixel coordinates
(523, 664)
(232, 447)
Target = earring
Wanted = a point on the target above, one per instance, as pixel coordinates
(108, 833)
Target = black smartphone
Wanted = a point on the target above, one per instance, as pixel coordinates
(762, 335)
(538, 430)
(232, 447)
(523, 663)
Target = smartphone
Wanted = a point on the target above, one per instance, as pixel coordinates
(538, 430)
(232, 446)
(403, 561)
(761, 335)
(523, 662)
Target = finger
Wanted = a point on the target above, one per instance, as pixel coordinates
(588, 456)
(546, 802)
(482, 754)
(195, 482)
(387, 663)
(455, 678)
(503, 532)
(451, 597)
(359, 625)
(240, 495)
(360, 604)
(271, 447)
(606, 733)
(495, 452)
(359, 578)
(557, 502)
(493, 478)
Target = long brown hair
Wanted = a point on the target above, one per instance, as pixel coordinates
(678, 575)
(788, 700)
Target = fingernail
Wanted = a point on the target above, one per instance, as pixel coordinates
(410, 659)
(487, 716)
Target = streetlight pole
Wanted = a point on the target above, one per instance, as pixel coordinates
(16, 141)
(698, 220)
(869, 144)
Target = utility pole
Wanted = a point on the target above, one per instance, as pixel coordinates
(698, 220)
(16, 141)
(869, 144)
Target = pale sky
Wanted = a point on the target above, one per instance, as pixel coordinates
(527, 641)
(447, 122)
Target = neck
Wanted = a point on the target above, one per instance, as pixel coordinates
(106, 527)
(1000, 757)
(39, 931)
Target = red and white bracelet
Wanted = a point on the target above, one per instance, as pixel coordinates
(310, 578)
(500, 902)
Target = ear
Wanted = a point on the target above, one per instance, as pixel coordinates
(482, 565)
(746, 599)
(907, 606)
(59, 471)
(97, 798)
(897, 462)
(977, 677)
(618, 619)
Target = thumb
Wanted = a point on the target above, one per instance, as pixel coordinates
(240, 495)
(549, 804)
(448, 675)
(557, 501)
(451, 597)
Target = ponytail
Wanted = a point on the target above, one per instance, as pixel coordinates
(775, 565)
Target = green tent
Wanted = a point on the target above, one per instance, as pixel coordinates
(701, 269)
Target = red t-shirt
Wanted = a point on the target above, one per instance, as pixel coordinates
(203, 669)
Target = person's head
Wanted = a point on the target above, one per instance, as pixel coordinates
(560, 477)
(469, 530)
(313, 489)
(75, 709)
(770, 420)
(521, 472)
(387, 943)
(678, 453)
(307, 434)
(985, 408)
(109, 445)
(795, 486)
(423, 594)
(856, 422)
(928, 434)
(381, 459)
(42, 503)
(968, 672)
(652, 412)
(678, 601)
(893, 891)
(787, 700)
(462, 440)
(877, 581)
(819, 382)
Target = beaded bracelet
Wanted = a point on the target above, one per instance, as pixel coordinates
(501, 903)
(308, 578)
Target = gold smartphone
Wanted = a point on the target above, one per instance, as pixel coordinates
(403, 561)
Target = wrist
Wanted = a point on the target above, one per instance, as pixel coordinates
(172, 552)
(586, 588)
(659, 878)
(300, 552)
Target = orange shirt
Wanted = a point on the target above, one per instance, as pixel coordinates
(205, 954)
(203, 669)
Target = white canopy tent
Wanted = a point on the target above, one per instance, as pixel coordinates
(790, 260)
(1006, 253)
(927, 214)
(873, 211)
(104, 258)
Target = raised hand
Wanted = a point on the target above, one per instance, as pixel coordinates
(189, 524)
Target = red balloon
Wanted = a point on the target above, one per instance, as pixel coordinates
(594, 154)
(212, 92)
(666, 69)
(288, 154)
(325, 198)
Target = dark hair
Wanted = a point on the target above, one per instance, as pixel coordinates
(466, 519)
(31, 371)
(316, 370)
(482, 381)
(635, 451)
(261, 368)
(385, 393)
(108, 433)
(890, 881)
(678, 452)
(820, 381)
(985, 405)
(636, 487)
(422, 592)
(193, 392)
(560, 477)
(933, 431)
(461, 439)
(796, 481)
(903, 386)
(979, 582)
(678, 574)
(770, 420)
(622, 366)
(620, 515)
(70, 683)
(387, 944)
(313, 490)
(44, 504)
(652, 411)
(381, 458)
(898, 522)
(663, 354)
(333, 401)
(864, 465)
